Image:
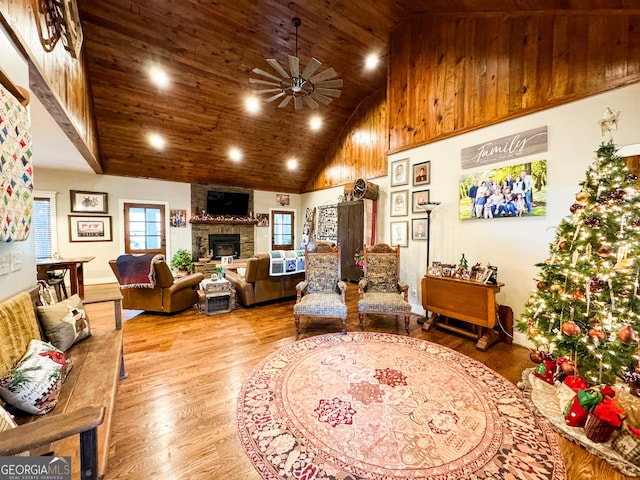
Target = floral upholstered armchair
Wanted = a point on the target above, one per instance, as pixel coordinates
(322, 293)
(381, 290)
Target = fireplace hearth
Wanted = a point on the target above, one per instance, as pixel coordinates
(223, 245)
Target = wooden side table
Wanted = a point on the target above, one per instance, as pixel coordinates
(467, 300)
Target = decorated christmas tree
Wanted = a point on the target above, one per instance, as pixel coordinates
(584, 313)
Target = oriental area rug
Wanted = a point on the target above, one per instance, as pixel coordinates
(385, 407)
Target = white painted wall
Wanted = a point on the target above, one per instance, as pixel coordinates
(15, 66)
(514, 245)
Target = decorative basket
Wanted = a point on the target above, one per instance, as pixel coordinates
(627, 445)
(597, 430)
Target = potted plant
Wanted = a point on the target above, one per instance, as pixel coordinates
(182, 261)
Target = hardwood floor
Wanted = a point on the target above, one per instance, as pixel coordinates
(176, 412)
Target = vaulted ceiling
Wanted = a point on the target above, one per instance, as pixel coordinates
(208, 49)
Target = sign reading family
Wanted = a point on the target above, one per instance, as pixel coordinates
(505, 148)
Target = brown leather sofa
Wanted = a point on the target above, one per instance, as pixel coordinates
(257, 286)
(170, 294)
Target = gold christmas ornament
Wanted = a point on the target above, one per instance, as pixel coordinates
(582, 197)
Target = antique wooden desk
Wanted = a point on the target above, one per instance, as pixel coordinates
(467, 300)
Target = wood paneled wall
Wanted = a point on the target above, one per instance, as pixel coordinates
(360, 151)
(58, 80)
(451, 74)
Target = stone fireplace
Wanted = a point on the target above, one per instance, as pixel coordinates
(201, 231)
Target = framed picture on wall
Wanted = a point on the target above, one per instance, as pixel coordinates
(422, 173)
(418, 201)
(399, 172)
(400, 234)
(418, 229)
(90, 229)
(399, 203)
(88, 202)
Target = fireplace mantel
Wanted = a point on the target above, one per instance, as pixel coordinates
(224, 222)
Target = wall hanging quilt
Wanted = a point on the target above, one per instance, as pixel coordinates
(16, 170)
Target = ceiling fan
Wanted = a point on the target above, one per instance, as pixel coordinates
(302, 87)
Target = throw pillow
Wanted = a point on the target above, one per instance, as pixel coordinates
(65, 323)
(33, 385)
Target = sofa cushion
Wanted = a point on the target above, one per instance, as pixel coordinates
(65, 323)
(34, 384)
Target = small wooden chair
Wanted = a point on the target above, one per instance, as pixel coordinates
(322, 293)
(381, 290)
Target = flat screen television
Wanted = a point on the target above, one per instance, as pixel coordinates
(227, 203)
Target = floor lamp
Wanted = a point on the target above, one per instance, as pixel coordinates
(429, 207)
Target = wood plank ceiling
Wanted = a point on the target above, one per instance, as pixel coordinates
(208, 49)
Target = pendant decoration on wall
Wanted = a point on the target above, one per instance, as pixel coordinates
(58, 20)
(16, 170)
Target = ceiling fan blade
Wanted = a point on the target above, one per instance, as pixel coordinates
(311, 68)
(310, 101)
(277, 67)
(275, 97)
(326, 75)
(268, 90)
(294, 66)
(321, 98)
(259, 71)
(330, 84)
(264, 82)
(285, 102)
(297, 103)
(329, 92)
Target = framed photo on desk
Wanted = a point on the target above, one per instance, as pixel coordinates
(90, 228)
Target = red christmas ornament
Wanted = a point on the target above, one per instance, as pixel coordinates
(570, 328)
(577, 295)
(568, 368)
(618, 195)
(632, 178)
(575, 207)
(542, 286)
(596, 333)
(627, 334)
(604, 251)
(536, 357)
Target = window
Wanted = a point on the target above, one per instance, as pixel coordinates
(144, 230)
(44, 224)
(282, 224)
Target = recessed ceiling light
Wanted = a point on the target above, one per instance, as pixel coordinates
(235, 154)
(156, 141)
(159, 77)
(292, 164)
(315, 123)
(371, 61)
(252, 104)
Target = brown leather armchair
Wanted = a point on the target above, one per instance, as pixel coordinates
(170, 294)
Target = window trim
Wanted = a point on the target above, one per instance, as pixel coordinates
(121, 203)
(53, 215)
(292, 211)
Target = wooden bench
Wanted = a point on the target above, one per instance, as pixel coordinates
(85, 405)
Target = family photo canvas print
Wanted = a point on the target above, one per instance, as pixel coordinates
(513, 191)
